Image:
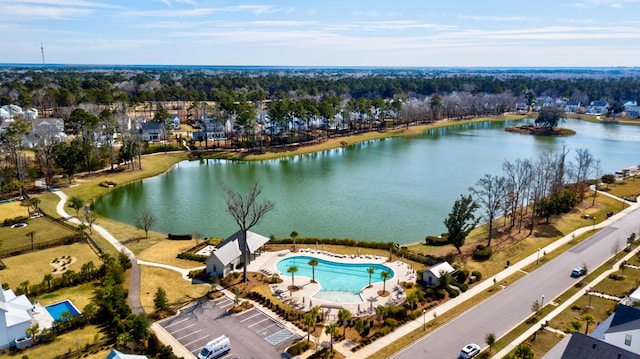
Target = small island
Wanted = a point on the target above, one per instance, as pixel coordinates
(545, 125)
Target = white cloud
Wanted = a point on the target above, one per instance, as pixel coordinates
(43, 12)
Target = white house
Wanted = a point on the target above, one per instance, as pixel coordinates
(621, 329)
(227, 255)
(15, 317)
(633, 111)
(598, 107)
(432, 275)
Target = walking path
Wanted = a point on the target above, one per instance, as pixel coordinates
(345, 346)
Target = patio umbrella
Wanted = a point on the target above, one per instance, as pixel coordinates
(358, 251)
(316, 245)
(358, 307)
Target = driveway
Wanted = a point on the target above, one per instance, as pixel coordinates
(252, 333)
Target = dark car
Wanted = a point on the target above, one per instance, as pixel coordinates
(578, 272)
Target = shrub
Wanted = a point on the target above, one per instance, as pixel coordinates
(384, 331)
(299, 348)
(462, 276)
(463, 287)
(442, 240)
(180, 237)
(483, 253)
(477, 274)
(452, 292)
(192, 257)
(391, 323)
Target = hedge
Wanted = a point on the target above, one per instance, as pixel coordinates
(180, 237)
(441, 240)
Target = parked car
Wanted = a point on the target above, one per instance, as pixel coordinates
(215, 348)
(578, 272)
(469, 351)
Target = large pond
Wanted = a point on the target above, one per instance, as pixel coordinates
(393, 190)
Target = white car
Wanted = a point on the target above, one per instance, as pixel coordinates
(469, 351)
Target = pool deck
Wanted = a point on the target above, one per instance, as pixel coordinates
(303, 298)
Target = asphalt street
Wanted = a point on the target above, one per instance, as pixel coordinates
(508, 308)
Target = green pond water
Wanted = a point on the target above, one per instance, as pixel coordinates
(392, 190)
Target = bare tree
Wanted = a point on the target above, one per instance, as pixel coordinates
(580, 168)
(597, 170)
(145, 221)
(247, 213)
(490, 192)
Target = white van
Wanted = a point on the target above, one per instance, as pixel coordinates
(215, 348)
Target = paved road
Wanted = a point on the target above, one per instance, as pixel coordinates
(501, 312)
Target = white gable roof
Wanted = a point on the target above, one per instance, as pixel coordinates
(229, 249)
(439, 268)
(15, 309)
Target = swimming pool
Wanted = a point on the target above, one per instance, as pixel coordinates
(57, 309)
(335, 276)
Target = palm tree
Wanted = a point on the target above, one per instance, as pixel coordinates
(384, 275)
(48, 278)
(33, 331)
(490, 339)
(87, 270)
(293, 236)
(25, 287)
(32, 234)
(313, 263)
(309, 319)
(292, 270)
(412, 299)
(589, 319)
(370, 270)
(344, 315)
(332, 330)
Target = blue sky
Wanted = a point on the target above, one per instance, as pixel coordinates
(420, 33)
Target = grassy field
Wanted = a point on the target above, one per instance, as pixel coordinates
(63, 344)
(80, 295)
(165, 251)
(12, 209)
(629, 188)
(179, 292)
(33, 266)
(44, 230)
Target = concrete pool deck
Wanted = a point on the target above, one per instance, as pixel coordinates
(303, 298)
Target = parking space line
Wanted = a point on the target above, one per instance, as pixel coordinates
(226, 305)
(264, 330)
(279, 336)
(253, 316)
(256, 323)
(189, 334)
(178, 322)
(183, 328)
(197, 340)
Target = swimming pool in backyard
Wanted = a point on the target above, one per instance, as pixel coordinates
(343, 281)
(57, 309)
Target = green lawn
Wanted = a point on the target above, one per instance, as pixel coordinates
(33, 266)
(44, 230)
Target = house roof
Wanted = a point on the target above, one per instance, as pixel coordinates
(440, 268)
(114, 354)
(585, 347)
(599, 103)
(16, 309)
(625, 319)
(229, 249)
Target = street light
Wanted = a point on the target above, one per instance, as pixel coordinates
(538, 260)
(594, 224)
(589, 294)
(424, 319)
(542, 305)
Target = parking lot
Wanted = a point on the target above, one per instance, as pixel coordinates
(252, 333)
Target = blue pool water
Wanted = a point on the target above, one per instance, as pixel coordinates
(57, 309)
(334, 276)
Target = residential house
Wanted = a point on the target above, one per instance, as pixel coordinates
(13, 110)
(31, 114)
(431, 276)
(597, 108)
(572, 106)
(152, 131)
(45, 128)
(629, 103)
(586, 347)
(633, 111)
(5, 115)
(214, 130)
(227, 255)
(174, 122)
(16, 316)
(616, 337)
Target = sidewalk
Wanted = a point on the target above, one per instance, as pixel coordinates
(371, 349)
